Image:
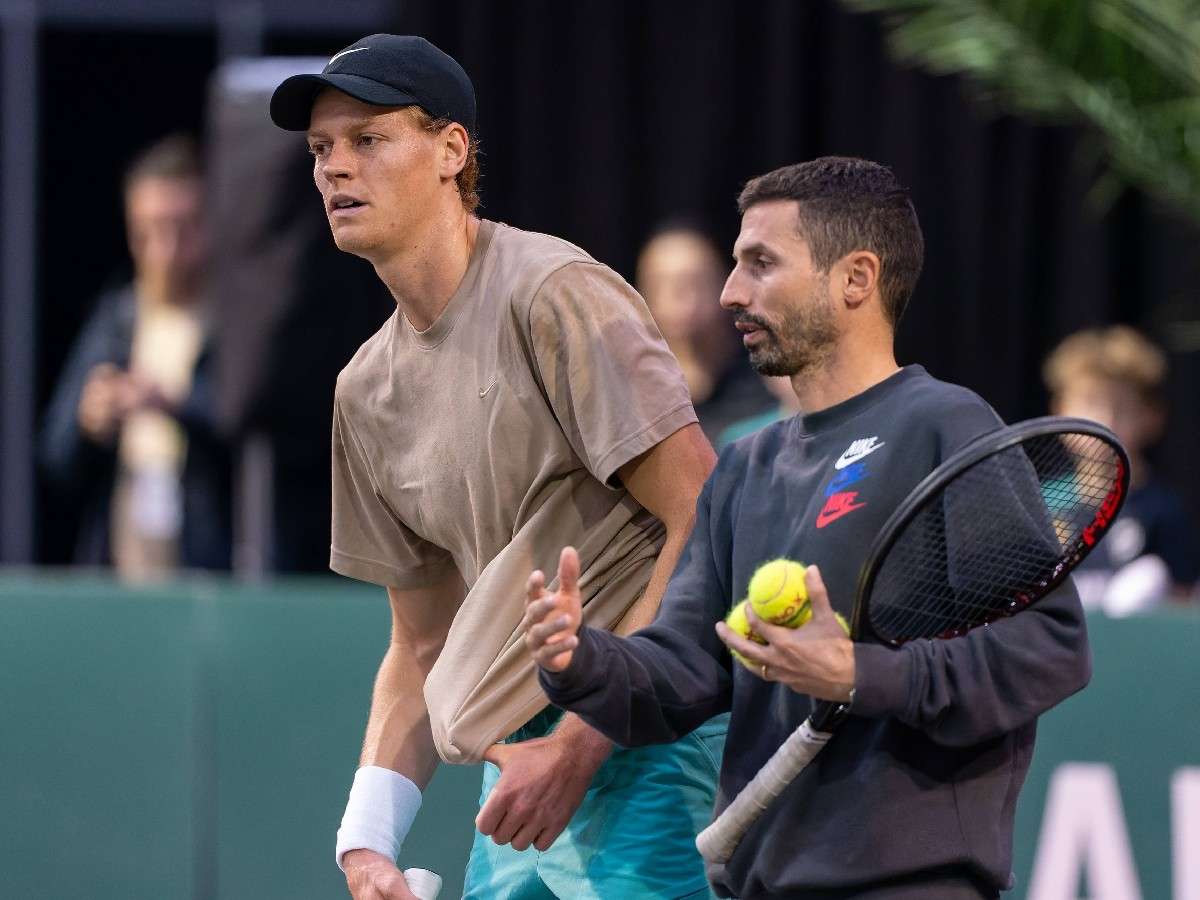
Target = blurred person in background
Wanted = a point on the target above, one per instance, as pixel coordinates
(128, 439)
(1115, 376)
(680, 273)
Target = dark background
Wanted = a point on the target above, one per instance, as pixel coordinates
(599, 119)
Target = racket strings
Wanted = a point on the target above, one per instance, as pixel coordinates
(995, 537)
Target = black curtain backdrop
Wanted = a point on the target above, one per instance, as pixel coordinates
(600, 118)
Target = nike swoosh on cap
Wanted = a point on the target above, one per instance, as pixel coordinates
(337, 56)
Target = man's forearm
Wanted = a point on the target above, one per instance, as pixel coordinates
(398, 734)
(644, 609)
(639, 615)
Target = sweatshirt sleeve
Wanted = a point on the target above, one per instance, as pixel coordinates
(669, 678)
(989, 681)
(997, 677)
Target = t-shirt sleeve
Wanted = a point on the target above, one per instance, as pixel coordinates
(369, 542)
(615, 388)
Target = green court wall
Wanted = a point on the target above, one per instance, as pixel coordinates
(197, 740)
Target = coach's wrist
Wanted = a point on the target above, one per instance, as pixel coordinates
(379, 813)
(576, 678)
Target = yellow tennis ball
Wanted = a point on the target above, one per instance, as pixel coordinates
(778, 593)
(739, 623)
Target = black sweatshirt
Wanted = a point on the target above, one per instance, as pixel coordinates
(924, 774)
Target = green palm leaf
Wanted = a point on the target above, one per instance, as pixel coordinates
(1128, 68)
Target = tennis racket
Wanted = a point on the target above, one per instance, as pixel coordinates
(989, 532)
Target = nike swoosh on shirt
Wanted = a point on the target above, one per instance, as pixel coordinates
(483, 391)
(837, 506)
(857, 451)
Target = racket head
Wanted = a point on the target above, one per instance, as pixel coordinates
(996, 527)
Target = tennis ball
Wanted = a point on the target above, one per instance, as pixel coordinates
(737, 622)
(778, 593)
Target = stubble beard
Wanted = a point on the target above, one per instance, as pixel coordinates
(801, 342)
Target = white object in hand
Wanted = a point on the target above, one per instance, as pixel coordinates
(424, 884)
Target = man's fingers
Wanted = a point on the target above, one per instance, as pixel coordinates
(817, 595)
(490, 815)
(535, 586)
(551, 656)
(526, 835)
(497, 755)
(769, 632)
(568, 571)
(536, 613)
(506, 828)
(756, 653)
(544, 632)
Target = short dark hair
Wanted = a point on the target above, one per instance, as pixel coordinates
(849, 204)
(468, 177)
(175, 156)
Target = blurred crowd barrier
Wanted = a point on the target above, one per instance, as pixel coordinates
(195, 741)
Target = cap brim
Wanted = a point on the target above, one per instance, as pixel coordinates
(292, 102)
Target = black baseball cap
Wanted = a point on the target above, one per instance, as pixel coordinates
(385, 70)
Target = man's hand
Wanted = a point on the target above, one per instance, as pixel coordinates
(99, 403)
(817, 659)
(137, 392)
(372, 876)
(552, 620)
(542, 782)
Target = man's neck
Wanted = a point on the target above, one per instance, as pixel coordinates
(160, 294)
(424, 274)
(847, 373)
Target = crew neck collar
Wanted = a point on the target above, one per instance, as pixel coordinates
(444, 323)
(810, 424)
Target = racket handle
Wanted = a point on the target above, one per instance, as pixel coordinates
(425, 885)
(717, 842)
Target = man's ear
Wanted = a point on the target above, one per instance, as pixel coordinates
(860, 277)
(455, 144)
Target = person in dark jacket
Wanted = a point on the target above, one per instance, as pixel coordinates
(128, 439)
(914, 796)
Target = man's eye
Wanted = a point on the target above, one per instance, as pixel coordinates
(366, 140)
(316, 149)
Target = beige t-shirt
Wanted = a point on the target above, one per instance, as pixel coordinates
(491, 440)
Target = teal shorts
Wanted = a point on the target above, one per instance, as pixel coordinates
(632, 837)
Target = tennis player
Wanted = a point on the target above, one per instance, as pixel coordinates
(519, 397)
(914, 797)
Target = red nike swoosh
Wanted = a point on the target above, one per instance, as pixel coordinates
(827, 515)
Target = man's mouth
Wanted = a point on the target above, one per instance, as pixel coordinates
(340, 206)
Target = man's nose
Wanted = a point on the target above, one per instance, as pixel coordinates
(338, 163)
(732, 295)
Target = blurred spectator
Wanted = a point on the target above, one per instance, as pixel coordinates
(1115, 376)
(128, 438)
(781, 388)
(680, 274)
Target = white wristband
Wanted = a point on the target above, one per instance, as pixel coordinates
(379, 814)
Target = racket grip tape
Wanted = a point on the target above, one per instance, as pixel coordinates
(717, 842)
